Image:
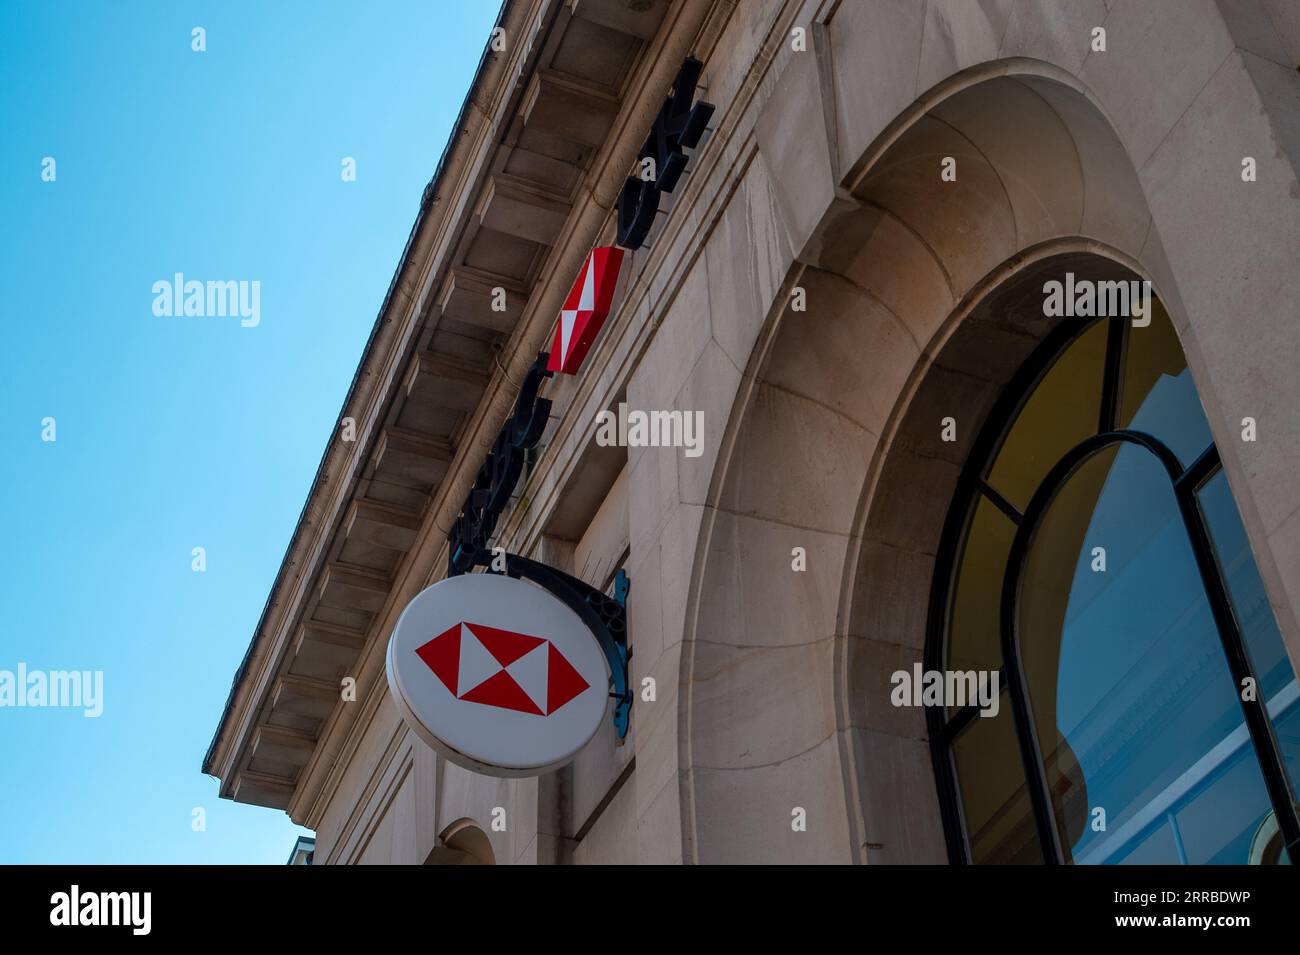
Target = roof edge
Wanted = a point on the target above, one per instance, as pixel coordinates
(484, 79)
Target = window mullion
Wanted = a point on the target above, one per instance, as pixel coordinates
(1116, 339)
(1255, 711)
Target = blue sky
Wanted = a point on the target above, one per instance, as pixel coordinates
(175, 433)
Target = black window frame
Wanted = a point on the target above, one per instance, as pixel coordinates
(972, 486)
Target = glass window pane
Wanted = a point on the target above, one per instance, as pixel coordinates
(1063, 409)
(1158, 848)
(1157, 395)
(1127, 678)
(1219, 819)
(1286, 727)
(1245, 588)
(991, 779)
(973, 625)
(1250, 606)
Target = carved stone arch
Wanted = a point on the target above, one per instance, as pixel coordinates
(887, 602)
(923, 298)
(463, 842)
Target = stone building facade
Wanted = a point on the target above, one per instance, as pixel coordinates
(826, 297)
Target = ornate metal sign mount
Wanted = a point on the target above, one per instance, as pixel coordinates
(604, 616)
(500, 472)
(678, 127)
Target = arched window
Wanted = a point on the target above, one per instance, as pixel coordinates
(1095, 560)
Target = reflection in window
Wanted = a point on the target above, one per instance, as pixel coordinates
(1125, 670)
(973, 640)
(992, 781)
(1143, 751)
(1060, 412)
(1246, 590)
(1159, 397)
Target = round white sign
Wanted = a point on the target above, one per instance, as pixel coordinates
(497, 674)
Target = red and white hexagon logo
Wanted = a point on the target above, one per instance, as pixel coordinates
(586, 309)
(497, 674)
(515, 671)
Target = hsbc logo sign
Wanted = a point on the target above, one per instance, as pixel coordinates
(679, 125)
(503, 676)
(497, 674)
(585, 310)
(502, 668)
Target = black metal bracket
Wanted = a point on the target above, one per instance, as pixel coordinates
(500, 471)
(677, 127)
(605, 617)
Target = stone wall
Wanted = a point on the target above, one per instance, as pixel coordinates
(822, 174)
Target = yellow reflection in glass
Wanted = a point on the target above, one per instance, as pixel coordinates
(973, 625)
(1063, 409)
(991, 777)
(1157, 395)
